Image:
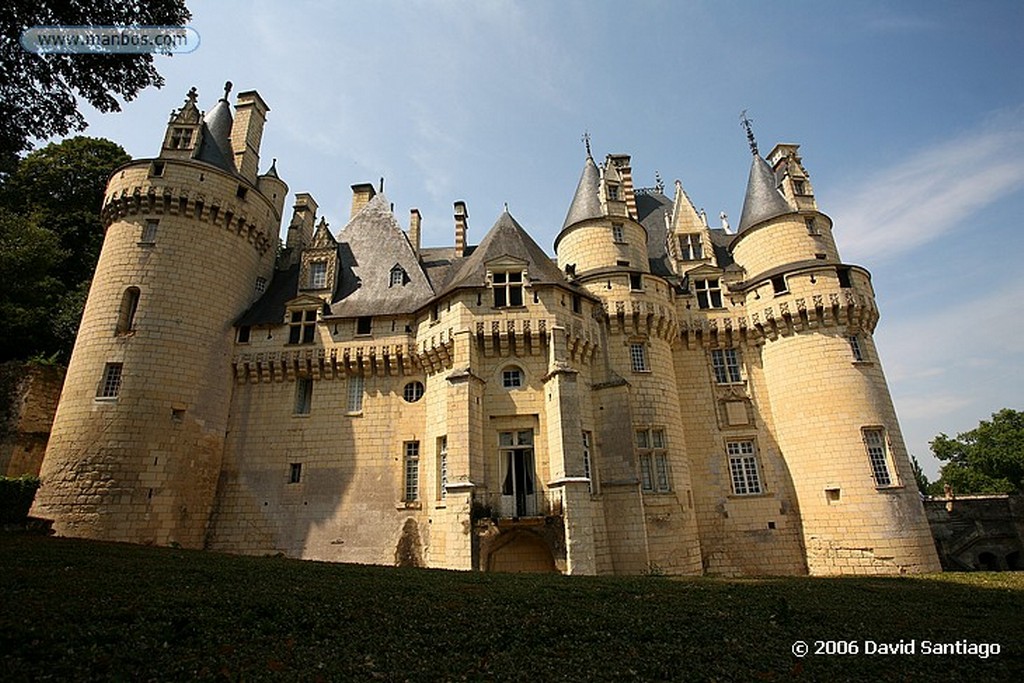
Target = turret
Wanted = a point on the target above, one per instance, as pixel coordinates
(137, 440)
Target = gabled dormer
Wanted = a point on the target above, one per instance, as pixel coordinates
(689, 240)
(507, 277)
(318, 274)
(183, 130)
(301, 316)
(791, 177)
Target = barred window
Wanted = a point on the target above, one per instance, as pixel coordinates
(355, 394)
(855, 347)
(442, 467)
(746, 478)
(303, 395)
(317, 275)
(878, 456)
(110, 384)
(638, 357)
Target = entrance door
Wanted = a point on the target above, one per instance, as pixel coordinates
(518, 495)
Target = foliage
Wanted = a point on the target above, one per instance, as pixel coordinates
(919, 476)
(189, 615)
(987, 459)
(39, 94)
(16, 496)
(50, 238)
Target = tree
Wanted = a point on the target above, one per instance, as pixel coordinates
(987, 459)
(38, 93)
(919, 476)
(50, 239)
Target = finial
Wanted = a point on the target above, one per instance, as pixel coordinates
(382, 184)
(193, 95)
(659, 184)
(227, 89)
(586, 141)
(745, 122)
(506, 207)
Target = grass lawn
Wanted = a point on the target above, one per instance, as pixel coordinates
(81, 610)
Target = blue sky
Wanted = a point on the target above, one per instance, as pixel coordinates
(910, 117)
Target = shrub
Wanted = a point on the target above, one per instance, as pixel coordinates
(16, 496)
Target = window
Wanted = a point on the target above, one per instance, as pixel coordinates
(508, 289)
(709, 293)
(156, 169)
(511, 377)
(442, 467)
(779, 284)
(844, 277)
(588, 471)
(746, 479)
(355, 394)
(260, 287)
(364, 324)
(691, 247)
(318, 275)
(295, 473)
(638, 357)
(241, 192)
(397, 278)
(617, 233)
(858, 352)
(412, 392)
(126, 314)
(812, 226)
(149, 232)
(181, 138)
(412, 471)
(244, 333)
(726, 365)
(878, 455)
(798, 187)
(518, 478)
(577, 304)
(636, 282)
(653, 458)
(110, 385)
(303, 395)
(613, 193)
(302, 327)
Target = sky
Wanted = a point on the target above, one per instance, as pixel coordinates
(910, 117)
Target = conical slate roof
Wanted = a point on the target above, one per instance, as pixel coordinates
(216, 145)
(506, 238)
(763, 200)
(586, 203)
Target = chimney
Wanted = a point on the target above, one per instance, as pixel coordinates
(300, 229)
(362, 193)
(414, 229)
(247, 133)
(461, 226)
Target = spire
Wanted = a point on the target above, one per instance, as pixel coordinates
(763, 200)
(216, 145)
(586, 203)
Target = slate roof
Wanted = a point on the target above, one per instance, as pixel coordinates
(586, 203)
(215, 146)
(763, 200)
(652, 207)
(368, 248)
(269, 308)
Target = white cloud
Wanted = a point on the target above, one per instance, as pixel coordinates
(898, 209)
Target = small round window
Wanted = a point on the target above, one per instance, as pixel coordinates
(413, 392)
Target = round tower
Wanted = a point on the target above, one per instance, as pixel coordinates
(834, 419)
(136, 446)
(603, 248)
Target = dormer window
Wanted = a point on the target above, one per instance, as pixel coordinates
(181, 138)
(613, 193)
(709, 293)
(302, 326)
(318, 275)
(508, 288)
(691, 247)
(798, 187)
(397, 277)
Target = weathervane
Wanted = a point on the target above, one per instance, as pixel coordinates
(745, 122)
(586, 141)
(227, 89)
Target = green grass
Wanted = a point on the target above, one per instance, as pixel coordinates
(79, 610)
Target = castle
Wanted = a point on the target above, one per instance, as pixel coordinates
(667, 396)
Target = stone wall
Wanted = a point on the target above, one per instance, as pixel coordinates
(28, 399)
(978, 532)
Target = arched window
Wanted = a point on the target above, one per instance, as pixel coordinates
(126, 314)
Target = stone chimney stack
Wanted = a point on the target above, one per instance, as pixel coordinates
(461, 227)
(300, 228)
(362, 193)
(247, 133)
(415, 221)
(622, 165)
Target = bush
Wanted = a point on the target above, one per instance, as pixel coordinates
(16, 496)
